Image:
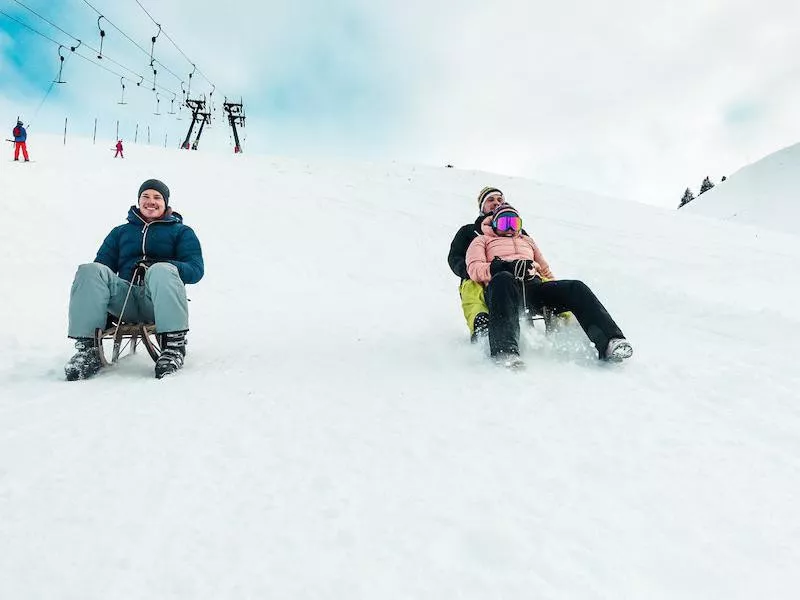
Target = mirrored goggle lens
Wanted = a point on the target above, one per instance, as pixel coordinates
(506, 223)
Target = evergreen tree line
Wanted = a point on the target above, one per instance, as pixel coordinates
(707, 184)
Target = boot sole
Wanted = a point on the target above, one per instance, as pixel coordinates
(71, 376)
(620, 353)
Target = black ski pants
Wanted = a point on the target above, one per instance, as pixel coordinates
(504, 299)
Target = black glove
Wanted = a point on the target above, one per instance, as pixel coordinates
(498, 265)
(525, 269)
(145, 264)
(141, 267)
(521, 267)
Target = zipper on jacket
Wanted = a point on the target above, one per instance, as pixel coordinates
(144, 239)
(144, 232)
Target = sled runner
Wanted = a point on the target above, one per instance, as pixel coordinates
(122, 336)
(546, 316)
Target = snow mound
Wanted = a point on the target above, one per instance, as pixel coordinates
(765, 194)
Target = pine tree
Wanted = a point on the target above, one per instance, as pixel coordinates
(706, 185)
(688, 196)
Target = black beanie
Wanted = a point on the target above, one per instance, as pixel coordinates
(155, 184)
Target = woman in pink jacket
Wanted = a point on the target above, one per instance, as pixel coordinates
(513, 270)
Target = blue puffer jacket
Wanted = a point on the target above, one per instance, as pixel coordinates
(165, 240)
(20, 135)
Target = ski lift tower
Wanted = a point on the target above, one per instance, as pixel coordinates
(198, 108)
(203, 117)
(236, 117)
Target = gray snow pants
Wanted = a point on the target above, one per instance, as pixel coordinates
(97, 291)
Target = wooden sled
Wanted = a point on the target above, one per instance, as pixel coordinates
(547, 317)
(126, 336)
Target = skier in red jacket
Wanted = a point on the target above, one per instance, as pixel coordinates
(20, 137)
(119, 150)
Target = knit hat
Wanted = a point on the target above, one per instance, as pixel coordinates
(486, 192)
(155, 184)
(505, 210)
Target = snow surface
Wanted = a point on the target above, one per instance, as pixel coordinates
(765, 194)
(334, 434)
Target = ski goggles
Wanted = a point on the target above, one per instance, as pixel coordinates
(507, 222)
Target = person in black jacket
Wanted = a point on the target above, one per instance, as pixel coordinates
(472, 302)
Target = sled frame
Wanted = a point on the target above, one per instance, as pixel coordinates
(122, 336)
(546, 316)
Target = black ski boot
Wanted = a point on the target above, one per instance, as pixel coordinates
(173, 349)
(509, 360)
(86, 361)
(480, 327)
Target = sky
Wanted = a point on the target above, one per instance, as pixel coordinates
(630, 99)
(334, 434)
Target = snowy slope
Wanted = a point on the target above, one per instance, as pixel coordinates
(334, 435)
(764, 194)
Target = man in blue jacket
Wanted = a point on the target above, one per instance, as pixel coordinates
(153, 255)
(20, 139)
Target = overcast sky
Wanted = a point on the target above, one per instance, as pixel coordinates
(631, 98)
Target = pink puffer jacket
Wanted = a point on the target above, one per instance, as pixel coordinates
(486, 247)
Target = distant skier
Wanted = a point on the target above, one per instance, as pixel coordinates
(516, 275)
(151, 257)
(119, 149)
(20, 138)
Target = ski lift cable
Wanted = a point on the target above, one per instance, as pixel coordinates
(31, 28)
(132, 41)
(67, 33)
(49, 89)
(178, 48)
(46, 95)
(188, 59)
(105, 68)
(96, 51)
(46, 20)
(139, 75)
(99, 52)
(48, 38)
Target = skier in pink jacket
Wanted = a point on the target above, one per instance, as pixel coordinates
(516, 276)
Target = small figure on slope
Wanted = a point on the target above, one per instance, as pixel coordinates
(119, 149)
(20, 141)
